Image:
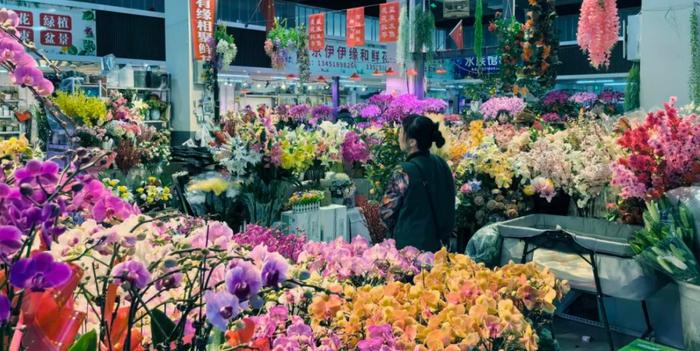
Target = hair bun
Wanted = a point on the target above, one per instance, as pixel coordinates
(437, 136)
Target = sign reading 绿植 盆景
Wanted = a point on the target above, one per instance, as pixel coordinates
(57, 30)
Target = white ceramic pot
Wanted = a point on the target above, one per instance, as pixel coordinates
(155, 114)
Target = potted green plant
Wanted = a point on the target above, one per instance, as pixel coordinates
(157, 108)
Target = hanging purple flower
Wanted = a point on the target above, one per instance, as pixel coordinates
(274, 271)
(221, 308)
(243, 280)
(133, 272)
(39, 272)
(10, 239)
(5, 308)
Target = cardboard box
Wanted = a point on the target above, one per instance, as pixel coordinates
(306, 223)
(333, 222)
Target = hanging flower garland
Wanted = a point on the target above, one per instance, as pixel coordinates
(280, 40)
(598, 30)
(303, 55)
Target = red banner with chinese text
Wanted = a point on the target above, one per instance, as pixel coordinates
(355, 28)
(203, 17)
(317, 32)
(389, 22)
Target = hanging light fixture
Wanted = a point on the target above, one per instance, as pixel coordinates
(291, 77)
(390, 72)
(377, 73)
(411, 72)
(321, 79)
(355, 77)
(244, 91)
(441, 70)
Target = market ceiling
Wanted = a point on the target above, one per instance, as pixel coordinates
(564, 7)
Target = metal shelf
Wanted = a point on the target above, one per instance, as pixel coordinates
(134, 88)
(11, 133)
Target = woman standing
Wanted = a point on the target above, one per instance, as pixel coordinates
(419, 205)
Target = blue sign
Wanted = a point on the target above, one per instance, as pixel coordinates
(468, 68)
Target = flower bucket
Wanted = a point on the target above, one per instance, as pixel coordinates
(306, 207)
(690, 314)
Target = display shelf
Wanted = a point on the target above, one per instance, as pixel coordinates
(154, 122)
(11, 133)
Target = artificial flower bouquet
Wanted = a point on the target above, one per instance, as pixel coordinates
(661, 153)
(666, 243)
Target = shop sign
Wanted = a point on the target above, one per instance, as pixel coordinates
(468, 67)
(203, 15)
(317, 31)
(355, 28)
(57, 30)
(337, 58)
(389, 22)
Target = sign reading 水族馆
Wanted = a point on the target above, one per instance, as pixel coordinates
(455, 9)
(57, 30)
(469, 66)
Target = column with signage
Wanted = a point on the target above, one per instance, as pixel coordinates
(180, 61)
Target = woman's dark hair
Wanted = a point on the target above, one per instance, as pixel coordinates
(425, 131)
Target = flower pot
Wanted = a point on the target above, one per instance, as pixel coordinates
(690, 314)
(306, 207)
(154, 114)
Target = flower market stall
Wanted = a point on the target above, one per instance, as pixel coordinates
(133, 222)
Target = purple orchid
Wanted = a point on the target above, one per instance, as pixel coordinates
(9, 49)
(243, 280)
(321, 112)
(274, 271)
(27, 76)
(171, 281)
(39, 272)
(10, 239)
(133, 272)
(5, 309)
(221, 308)
(379, 338)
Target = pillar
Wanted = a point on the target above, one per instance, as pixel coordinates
(180, 64)
(664, 51)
